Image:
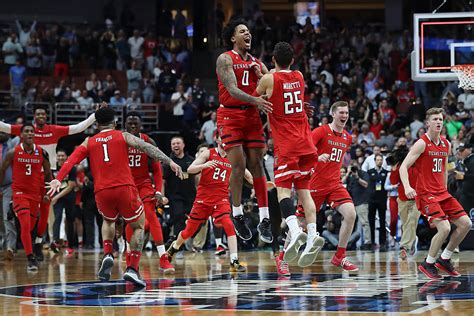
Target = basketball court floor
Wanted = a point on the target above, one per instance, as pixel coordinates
(202, 285)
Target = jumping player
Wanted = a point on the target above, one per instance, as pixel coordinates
(114, 187)
(332, 142)
(140, 165)
(47, 137)
(430, 157)
(295, 154)
(212, 199)
(240, 126)
(27, 161)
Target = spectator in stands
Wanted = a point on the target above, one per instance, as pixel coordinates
(148, 88)
(136, 47)
(109, 86)
(133, 102)
(366, 135)
(176, 66)
(109, 51)
(117, 100)
(369, 162)
(92, 49)
(178, 99)
(123, 51)
(190, 114)
(453, 126)
(167, 84)
(48, 50)
(75, 91)
(149, 48)
(208, 129)
(33, 53)
(415, 126)
(17, 82)
(11, 52)
(134, 77)
(93, 85)
(85, 101)
(60, 91)
(24, 36)
(61, 66)
(468, 98)
(388, 114)
(198, 93)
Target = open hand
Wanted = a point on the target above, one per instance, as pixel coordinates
(53, 187)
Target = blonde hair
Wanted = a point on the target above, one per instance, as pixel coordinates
(434, 111)
(338, 104)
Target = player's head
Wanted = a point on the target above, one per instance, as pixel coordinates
(105, 117)
(340, 113)
(27, 133)
(283, 55)
(133, 122)
(201, 148)
(237, 35)
(61, 156)
(177, 145)
(434, 119)
(40, 114)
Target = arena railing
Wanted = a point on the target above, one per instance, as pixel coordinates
(150, 115)
(29, 106)
(68, 113)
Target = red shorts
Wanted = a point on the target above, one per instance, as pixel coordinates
(240, 127)
(294, 170)
(23, 204)
(334, 198)
(443, 207)
(201, 212)
(119, 201)
(146, 192)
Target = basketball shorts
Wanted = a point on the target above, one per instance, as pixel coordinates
(443, 207)
(201, 212)
(24, 204)
(334, 198)
(294, 170)
(146, 192)
(119, 201)
(240, 126)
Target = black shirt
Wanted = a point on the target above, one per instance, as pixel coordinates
(176, 188)
(359, 194)
(467, 189)
(70, 177)
(376, 185)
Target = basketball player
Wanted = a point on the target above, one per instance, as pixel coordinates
(239, 124)
(212, 199)
(27, 161)
(140, 165)
(114, 187)
(47, 137)
(332, 142)
(295, 154)
(430, 157)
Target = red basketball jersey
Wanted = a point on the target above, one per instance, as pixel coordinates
(246, 79)
(213, 187)
(327, 175)
(108, 155)
(138, 162)
(431, 167)
(288, 121)
(26, 172)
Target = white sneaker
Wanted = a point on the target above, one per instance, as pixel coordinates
(310, 252)
(291, 252)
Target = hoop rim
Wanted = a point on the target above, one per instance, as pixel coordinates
(462, 67)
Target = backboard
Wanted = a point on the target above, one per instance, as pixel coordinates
(441, 40)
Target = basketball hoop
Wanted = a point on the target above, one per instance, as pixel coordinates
(465, 74)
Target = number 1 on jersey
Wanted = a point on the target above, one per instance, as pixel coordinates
(106, 152)
(245, 78)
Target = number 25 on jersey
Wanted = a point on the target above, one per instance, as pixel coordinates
(293, 103)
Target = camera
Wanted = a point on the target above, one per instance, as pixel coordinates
(397, 156)
(354, 169)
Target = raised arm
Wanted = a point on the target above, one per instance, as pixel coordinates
(82, 126)
(5, 127)
(410, 159)
(201, 162)
(5, 164)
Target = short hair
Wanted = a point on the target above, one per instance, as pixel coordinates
(61, 150)
(177, 136)
(40, 107)
(434, 111)
(105, 115)
(283, 53)
(338, 104)
(201, 146)
(229, 30)
(378, 155)
(133, 113)
(25, 126)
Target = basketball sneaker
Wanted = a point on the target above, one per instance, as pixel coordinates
(291, 252)
(429, 270)
(38, 251)
(105, 268)
(220, 250)
(235, 266)
(310, 252)
(55, 247)
(264, 228)
(165, 263)
(241, 228)
(344, 263)
(133, 276)
(32, 263)
(447, 266)
(282, 265)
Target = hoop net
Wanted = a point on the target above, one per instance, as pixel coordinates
(465, 74)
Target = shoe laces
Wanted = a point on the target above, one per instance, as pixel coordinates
(283, 265)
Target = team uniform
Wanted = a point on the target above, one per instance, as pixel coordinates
(295, 154)
(326, 185)
(433, 199)
(212, 198)
(238, 122)
(27, 186)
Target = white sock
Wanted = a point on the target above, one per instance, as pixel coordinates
(311, 230)
(218, 242)
(161, 250)
(175, 245)
(292, 223)
(237, 210)
(430, 259)
(263, 213)
(38, 240)
(79, 238)
(446, 254)
(233, 256)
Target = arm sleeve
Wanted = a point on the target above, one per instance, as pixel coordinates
(77, 156)
(6, 128)
(157, 175)
(82, 126)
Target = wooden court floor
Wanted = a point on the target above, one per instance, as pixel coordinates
(202, 285)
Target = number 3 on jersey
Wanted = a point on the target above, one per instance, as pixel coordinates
(218, 174)
(293, 103)
(437, 165)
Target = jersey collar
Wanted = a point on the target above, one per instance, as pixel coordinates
(23, 148)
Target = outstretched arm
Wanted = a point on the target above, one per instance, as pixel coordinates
(5, 127)
(82, 126)
(157, 171)
(5, 164)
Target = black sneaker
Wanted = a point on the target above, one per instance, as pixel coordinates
(32, 264)
(241, 228)
(38, 251)
(133, 276)
(105, 268)
(172, 251)
(235, 266)
(265, 231)
(447, 266)
(429, 270)
(55, 247)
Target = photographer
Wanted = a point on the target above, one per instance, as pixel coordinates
(357, 183)
(331, 231)
(409, 214)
